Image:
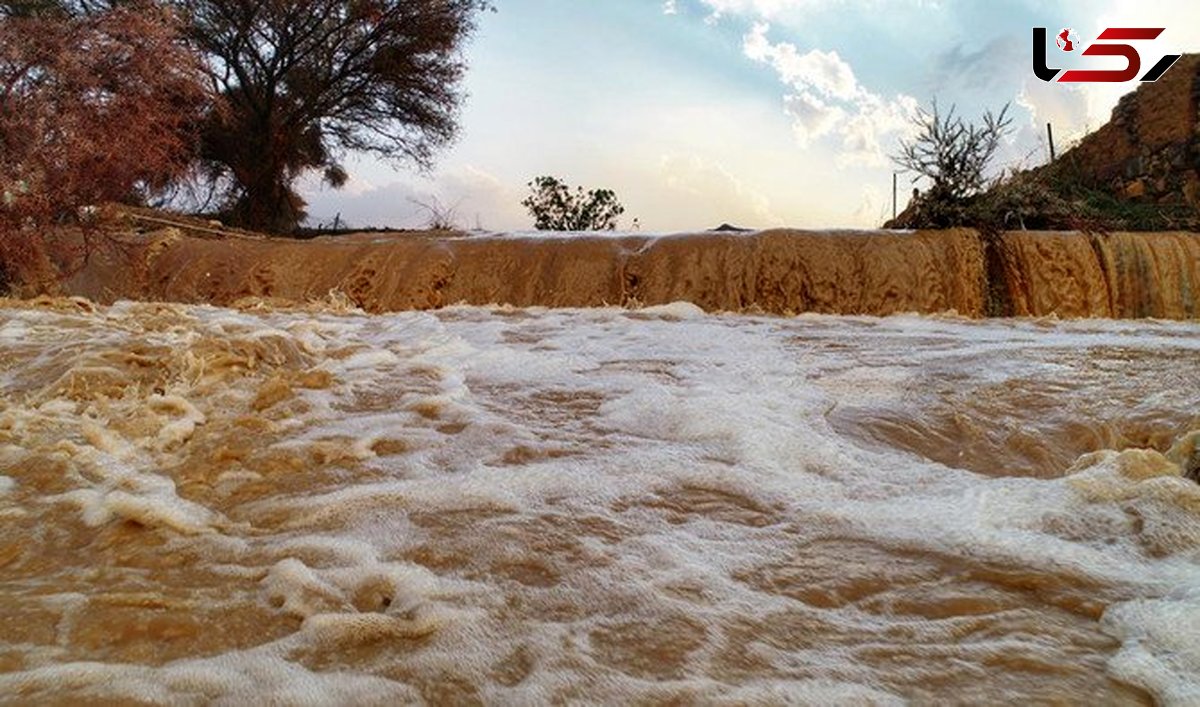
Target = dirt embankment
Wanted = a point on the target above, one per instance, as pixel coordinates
(779, 271)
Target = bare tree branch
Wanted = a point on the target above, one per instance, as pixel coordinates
(952, 153)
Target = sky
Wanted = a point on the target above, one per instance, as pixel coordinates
(758, 113)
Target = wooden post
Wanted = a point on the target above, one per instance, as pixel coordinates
(895, 181)
(1050, 134)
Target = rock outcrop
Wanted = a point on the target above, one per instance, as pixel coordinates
(1139, 172)
(1150, 149)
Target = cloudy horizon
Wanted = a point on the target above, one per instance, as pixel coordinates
(755, 112)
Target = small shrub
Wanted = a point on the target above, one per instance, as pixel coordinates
(438, 216)
(555, 208)
(953, 156)
(952, 153)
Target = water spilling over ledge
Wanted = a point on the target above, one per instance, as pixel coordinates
(1119, 275)
(278, 502)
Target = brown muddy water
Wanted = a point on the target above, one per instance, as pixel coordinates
(500, 505)
(1019, 273)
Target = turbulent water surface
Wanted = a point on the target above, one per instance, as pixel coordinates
(525, 505)
(1018, 273)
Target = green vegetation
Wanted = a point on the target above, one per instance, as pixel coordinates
(320, 79)
(555, 208)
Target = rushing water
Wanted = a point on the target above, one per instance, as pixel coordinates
(528, 506)
(1018, 273)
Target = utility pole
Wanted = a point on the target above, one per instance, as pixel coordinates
(1050, 134)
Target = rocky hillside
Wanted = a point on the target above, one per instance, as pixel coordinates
(1140, 171)
(1150, 150)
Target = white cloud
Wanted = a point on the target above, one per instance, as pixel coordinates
(475, 197)
(768, 9)
(828, 99)
(812, 118)
(823, 72)
(1065, 106)
(716, 195)
(872, 209)
(758, 8)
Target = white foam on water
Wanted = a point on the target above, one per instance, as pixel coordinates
(148, 499)
(234, 678)
(675, 311)
(1160, 646)
(625, 472)
(13, 330)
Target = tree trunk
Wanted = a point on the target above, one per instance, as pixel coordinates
(269, 205)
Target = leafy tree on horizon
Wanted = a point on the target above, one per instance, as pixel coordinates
(305, 81)
(555, 208)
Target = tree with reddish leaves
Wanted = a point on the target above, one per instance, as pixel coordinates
(94, 108)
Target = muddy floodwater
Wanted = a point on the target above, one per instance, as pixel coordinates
(524, 506)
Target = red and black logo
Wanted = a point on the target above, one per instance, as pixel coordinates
(1109, 43)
